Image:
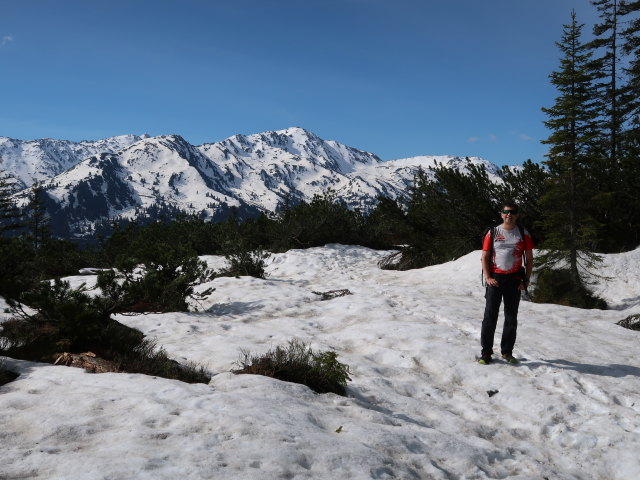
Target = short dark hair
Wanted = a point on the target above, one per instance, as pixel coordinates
(510, 204)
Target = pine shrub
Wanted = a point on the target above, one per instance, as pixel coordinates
(66, 319)
(149, 359)
(246, 263)
(298, 363)
(557, 286)
(325, 219)
(17, 266)
(56, 258)
(446, 211)
(60, 319)
(386, 226)
(408, 258)
(154, 277)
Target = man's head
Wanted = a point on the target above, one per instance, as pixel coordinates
(509, 212)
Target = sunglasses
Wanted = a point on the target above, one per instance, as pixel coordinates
(512, 212)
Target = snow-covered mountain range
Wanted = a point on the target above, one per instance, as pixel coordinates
(120, 176)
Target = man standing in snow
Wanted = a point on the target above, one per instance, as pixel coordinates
(502, 252)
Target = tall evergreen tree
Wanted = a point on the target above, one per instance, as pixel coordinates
(9, 213)
(570, 230)
(39, 223)
(630, 11)
(629, 171)
(607, 43)
(612, 105)
(16, 257)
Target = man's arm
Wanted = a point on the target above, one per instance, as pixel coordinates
(527, 275)
(486, 269)
(529, 257)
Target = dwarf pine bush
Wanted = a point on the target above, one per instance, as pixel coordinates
(58, 319)
(556, 286)
(61, 319)
(154, 278)
(298, 363)
(246, 263)
(147, 358)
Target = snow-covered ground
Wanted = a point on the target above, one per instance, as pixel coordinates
(417, 407)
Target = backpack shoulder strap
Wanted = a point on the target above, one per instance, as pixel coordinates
(524, 257)
(491, 232)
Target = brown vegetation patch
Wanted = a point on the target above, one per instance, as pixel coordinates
(89, 361)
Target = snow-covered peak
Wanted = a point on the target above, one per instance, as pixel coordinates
(117, 143)
(171, 142)
(431, 161)
(293, 145)
(298, 134)
(166, 154)
(41, 159)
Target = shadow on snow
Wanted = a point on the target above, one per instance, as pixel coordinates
(612, 370)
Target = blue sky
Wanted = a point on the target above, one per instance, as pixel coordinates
(398, 78)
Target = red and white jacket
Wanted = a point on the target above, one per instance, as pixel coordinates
(508, 247)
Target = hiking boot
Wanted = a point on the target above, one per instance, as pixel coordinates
(484, 359)
(509, 358)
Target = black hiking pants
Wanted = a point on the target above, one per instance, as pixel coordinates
(508, 289)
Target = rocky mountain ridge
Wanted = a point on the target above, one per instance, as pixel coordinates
(42, 159)
(250, 173)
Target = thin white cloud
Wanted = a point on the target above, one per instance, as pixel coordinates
(6, 39)
(491, 137)
(524, 136)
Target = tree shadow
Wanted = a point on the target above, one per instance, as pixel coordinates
(612, 370)
(626, 303)
(16, 369)
(369, 403)
(7, 376)
(234, 308)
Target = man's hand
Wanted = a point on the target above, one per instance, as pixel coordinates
(492, 282)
